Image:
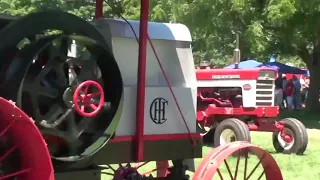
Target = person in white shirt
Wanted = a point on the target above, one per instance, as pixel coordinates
(297, 93)
(284, 85)
(278, 99)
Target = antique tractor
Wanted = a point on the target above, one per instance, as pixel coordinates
(232, 102)
(75, 115)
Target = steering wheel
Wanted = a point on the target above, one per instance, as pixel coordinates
(83, 100)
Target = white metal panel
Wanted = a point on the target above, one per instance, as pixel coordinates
(160, 31)
(176, 59)
(172, 43)
(174, 123)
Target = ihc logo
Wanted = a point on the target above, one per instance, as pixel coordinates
(158, 110)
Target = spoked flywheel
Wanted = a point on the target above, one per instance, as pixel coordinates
(74, 99)
(66, 97)
(238, 160)
(23, 153)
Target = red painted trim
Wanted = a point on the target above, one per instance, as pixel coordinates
(99, 9)
(212, 110)
(156, 137)
(144, 12)
(206, 74)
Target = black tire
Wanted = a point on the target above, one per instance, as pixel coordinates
(300, 137)
(239, 128)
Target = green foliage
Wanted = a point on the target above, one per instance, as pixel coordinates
(265, 27)
(80, 8)
(289, 29)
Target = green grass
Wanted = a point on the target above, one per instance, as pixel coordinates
(293, 167)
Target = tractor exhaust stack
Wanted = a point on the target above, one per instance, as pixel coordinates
(236, 53)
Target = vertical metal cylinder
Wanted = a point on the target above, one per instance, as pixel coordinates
(236, 52)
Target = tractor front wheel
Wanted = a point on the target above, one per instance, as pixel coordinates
(293, 139)
(230, 130)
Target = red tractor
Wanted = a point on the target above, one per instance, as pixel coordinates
(232, 102)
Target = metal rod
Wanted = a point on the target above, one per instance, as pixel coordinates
(141, 80)
(99, 9)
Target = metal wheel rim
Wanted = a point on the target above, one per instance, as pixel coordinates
(285, 145)
(227, 136)
(216, 165)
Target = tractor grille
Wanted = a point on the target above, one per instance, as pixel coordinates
(265, 88)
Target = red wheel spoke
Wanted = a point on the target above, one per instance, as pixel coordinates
(238, 161)
(245, 165)
(8, 153)
(94, 107)
(81, 98)
(86, 89)
(82, 108)
(255, 168)
(220, 175)
(92, 95)
(14, 174)
(7, 128)
(228, 168)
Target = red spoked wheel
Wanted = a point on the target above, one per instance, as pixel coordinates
(251, 162)
(23, 152)
(85, 101)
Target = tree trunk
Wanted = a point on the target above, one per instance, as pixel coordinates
(313, 104)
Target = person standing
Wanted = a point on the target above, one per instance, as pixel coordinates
(278, 96)
(284, 85)
(306, 89)
(289, 92)
(278, 99)
(296, 93)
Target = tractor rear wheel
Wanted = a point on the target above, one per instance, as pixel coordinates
(230, 130)
(294, 138)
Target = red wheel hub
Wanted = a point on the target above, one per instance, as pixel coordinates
(84, 102)
(287, 138)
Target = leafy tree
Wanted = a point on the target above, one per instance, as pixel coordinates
(288, 28)
(84, 9)
(291, 28)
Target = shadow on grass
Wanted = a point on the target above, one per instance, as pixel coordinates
(310, 120)
(276, 153)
